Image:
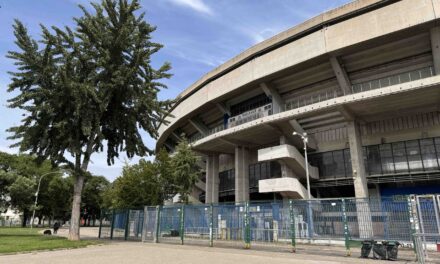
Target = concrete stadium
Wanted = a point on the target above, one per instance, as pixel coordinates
(362, 81)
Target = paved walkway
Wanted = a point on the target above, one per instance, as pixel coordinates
(135, 252)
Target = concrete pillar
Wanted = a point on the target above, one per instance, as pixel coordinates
(241, 174)
(435, 46)
(360, 181)
(212, 180)
(357, 160)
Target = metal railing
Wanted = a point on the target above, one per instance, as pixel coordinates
(325, 95)
(343, 221)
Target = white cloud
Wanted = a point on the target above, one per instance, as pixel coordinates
(197, 5)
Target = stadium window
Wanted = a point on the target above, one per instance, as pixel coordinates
(400, 159)
(414, 157)
(429, 156)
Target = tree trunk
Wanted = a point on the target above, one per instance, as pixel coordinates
(25, 217)
(76, 207)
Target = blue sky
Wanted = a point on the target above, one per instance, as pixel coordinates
(198, 35)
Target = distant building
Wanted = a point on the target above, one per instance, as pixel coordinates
(362, 80)
(10, 217)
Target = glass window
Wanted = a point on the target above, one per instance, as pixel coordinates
(437, 148)
(414, 158)
(386, 158)
(328, 165)
(347, 162)
(400, 160)
(429, 156)
(338, 159)
(373, 160)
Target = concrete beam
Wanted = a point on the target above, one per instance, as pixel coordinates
(277, 100)
(223, 108)
(299, 129)
(241, 174)
(346, 113)
(171, 148)
(199, 126)
(212, 179)
(357, 160)
(435, 46)
(176, 137)
(341, 75)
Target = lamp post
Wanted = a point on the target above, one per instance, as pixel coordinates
(305, 140)
(36, 195)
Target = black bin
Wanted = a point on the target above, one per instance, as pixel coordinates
(379, 251)
(367, 245)
(392, 249)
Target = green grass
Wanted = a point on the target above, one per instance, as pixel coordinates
(16, 240)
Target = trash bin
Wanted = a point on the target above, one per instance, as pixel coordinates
(366, 248)
(379, 251)
(392, 249)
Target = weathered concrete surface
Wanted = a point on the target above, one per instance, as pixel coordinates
(135, 252)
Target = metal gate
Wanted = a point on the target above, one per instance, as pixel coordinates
(149, 232)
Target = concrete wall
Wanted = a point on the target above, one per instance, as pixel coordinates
(383, 21)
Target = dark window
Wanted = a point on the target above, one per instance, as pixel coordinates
(386, 156)
(400, 159)
(373, 158)
(414, 158)
(429, 154)
(227, 181)
(338, 160)
(261, 171)
(347, 160)
(250, 104)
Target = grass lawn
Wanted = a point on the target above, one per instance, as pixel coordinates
(14, 240)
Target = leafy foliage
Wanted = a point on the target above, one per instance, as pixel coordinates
(85, 87)
(151, 183)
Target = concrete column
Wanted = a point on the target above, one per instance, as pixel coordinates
(212, 180)
(357, 161)
(435, 46)
(241, 174)
(360, 181)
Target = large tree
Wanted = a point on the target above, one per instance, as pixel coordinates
(87, 87)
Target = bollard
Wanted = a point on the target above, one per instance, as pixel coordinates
(346, 231)
(292, 226)
(182, 223)
(156, 237)
(211, 226)
(247, 227)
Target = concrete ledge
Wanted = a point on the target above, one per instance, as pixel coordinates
(288, 187)
(291, 156)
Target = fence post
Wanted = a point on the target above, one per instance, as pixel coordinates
(182, 223)
(292, 226)
(247, 227)
(211, 225)
(413, 220)
(346, 231)
(127, 220)
(157, 227)
(100, 223)
(113, 224)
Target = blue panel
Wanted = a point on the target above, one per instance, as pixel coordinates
(427, 189)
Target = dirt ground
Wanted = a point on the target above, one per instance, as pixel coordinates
(137, 252)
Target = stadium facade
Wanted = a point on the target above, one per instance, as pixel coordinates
(362, 80)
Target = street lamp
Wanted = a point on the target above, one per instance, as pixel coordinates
(36, 195)
(305, 139)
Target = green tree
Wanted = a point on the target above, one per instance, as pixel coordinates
(93, 200)
(184, 169)
(85, 87)
(138, 186)
(19, 176)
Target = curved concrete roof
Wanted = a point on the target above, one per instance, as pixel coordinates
(329, 32)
